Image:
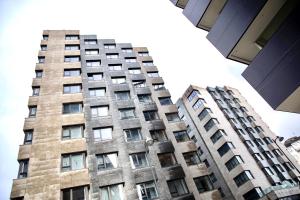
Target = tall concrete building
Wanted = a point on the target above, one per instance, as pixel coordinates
(263, 34)
(293, 146)
(244, 157)
(102, 125)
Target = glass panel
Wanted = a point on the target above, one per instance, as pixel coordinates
(77, 161)
(104, 194)
(115, 192)
(78, 193)
(106, 133)
(76, 132)
(66, 194)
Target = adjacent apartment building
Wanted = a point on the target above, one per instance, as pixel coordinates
(293, 146)
(244, 157)
(263, 34)
(101, 125)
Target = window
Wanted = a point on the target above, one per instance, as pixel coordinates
(28, 136)
(93, 63)
(258, 157)
(45, 37)
(204, 113)
(71, 89)
(23, 168)
(248, 143)
(102, 134)
(236, 100)
(138, 160)
(38, 73)
(127, 50)
(203, 184)
(107, 161)
(217, 135)
(135, 71)
(233, 162)
(177, 187)
(99, 111)
(133, 134)
(72, 161)
(147, 191)
(193, 94)
(167, 159)
(165, 101)
(72, 132)
(243, 178)
(41, 59)
(143, 53)
(193, 137)
(148, 63)
(69, 108)
(268, 154)
(268, 140)
(192, 158)
(150, 115)
(130, 59)
(112, 56)
(212, 122)
(268, 171)
(250, 130)
(288, 166)
(240, 132)
(212, 177)
(32, 111)
(127, 113)
(78, 193)
(123, 95)
(72, 58)
(43, 47)
(258, 142)
(139, 83)
(250, 118)
(111, 192)
(118, 80)
(145, 98)
(259, 129)
(97, 92)
(243, 109)
(277, 152)
(35, 91)
(159, 86)
(255, 193)
(181, 136)
(115, 67)
(90, 41)
(72, 47)
(72, 37)
(91, 52)
(158, 135)
(230, 92)
(200, 102)
(109, 46)
(225, 148)
(72, 72)
(95, 76)
(153, 74)
(173, 117)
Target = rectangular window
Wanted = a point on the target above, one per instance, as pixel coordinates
(109, 46)
(38, 73)
(36, 91)
(203, 184)
(193, 94)
(277, 152)
(122, 95)
(107, 161)
(150, 115)
(111, 192)
(72, 161)
(41, 59)
(95, 76)
(32, 111)
(148, 63)
(127, 113)
(191, 158)
(181, 136)
(130, 59)
(43, 47)
(165, 101)
(204, 113)
(167, 159)
(212, 122)
(28, 136)
(72, 37)
(138, 160)
(268, 140)
(250, 118)
(255, 193)
(143, 53)
(147, 191)
(233, 162)
(69, 108)
(145, 98)
(268, 171)
(243, 109)
(97, 92)
(243, 178)
(91, 51)
(118, 80)
(248, 143)
(225, 148)
(72, 72)
(258, 157)
(72, 132)
(139, 83)
(45, 37)
(200, 102)
(115, 67)
(102, 134)
(23, 168)
(135, 71)
(71, 89)
(72, 58)
(72, 47)
(93, 63)
(153, 74)
(133, 134)
(259, 129)
(75, 193)
(217, 135)
(158, 135)
(268, 154)
(159, 86)
(127, 50)
(212, 177)
(177, 187)
(90, 41)
(173, 117)
(99, 111)
(112, 56)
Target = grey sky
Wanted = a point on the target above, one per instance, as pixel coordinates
(173, 42)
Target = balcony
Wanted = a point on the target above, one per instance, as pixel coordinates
(173, 172)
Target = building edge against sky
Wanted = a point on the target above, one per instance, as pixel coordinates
(94, 103)
(242, 154)
(260, 33)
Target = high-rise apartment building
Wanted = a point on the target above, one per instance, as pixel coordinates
(293, 146)
(263, 34)
(102, 125)
(244, 157)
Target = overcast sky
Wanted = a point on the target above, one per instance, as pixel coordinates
(181, 52)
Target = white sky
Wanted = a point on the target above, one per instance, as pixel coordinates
(173, 42)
